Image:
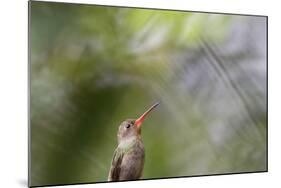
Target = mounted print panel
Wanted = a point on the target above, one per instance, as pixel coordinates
(123, 93)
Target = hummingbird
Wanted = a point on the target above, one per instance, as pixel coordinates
(128, 158)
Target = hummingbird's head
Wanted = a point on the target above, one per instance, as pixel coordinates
(131, 128)
(128, 129)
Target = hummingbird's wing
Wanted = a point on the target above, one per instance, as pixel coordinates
(116, 165)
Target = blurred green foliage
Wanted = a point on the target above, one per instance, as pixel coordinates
(93, 67)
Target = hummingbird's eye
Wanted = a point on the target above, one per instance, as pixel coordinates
(128, 126)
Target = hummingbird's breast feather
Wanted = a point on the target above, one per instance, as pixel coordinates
(133, 161)
(128, 160)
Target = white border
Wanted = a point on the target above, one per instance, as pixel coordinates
(13, 99)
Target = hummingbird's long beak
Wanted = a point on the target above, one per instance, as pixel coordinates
(139, 121)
